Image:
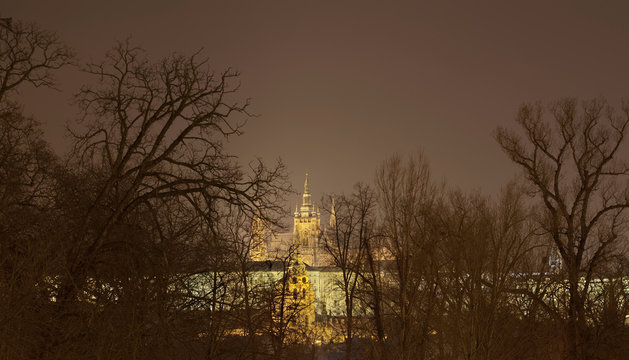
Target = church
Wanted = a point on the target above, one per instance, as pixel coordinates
(304, 247)
(307, 234)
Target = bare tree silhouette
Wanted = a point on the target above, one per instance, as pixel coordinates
(570, 153)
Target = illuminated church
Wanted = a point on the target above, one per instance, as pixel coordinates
(304, 247)
(307, 234)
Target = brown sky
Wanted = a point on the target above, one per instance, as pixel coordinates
(341, 85)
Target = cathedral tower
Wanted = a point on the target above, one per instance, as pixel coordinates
(307, 226)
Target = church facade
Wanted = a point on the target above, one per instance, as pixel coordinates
(307, 234)
(304, 247)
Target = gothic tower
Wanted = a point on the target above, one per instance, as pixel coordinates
(307, 227)
(300, 289)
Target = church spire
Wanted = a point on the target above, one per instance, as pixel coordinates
(306, 196)
(307, 229)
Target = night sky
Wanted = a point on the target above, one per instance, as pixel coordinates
(342, 85)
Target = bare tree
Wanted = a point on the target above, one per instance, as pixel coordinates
(351, 219)
(27, 222)
(372, 290)
(28, 54)
(155, 131)
(483, 246)
(406, 199)
(291, 304)
(573, 162)
(252, 292)
(142, 198)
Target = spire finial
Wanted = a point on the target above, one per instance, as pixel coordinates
(306, 189)
(306, 205)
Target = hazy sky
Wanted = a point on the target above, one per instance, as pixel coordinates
(341, 85)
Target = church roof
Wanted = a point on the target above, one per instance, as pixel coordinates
(274, 265)
(278, 265)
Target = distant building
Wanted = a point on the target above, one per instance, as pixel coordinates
(307, 234)
(303, 276)
(303, 248)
